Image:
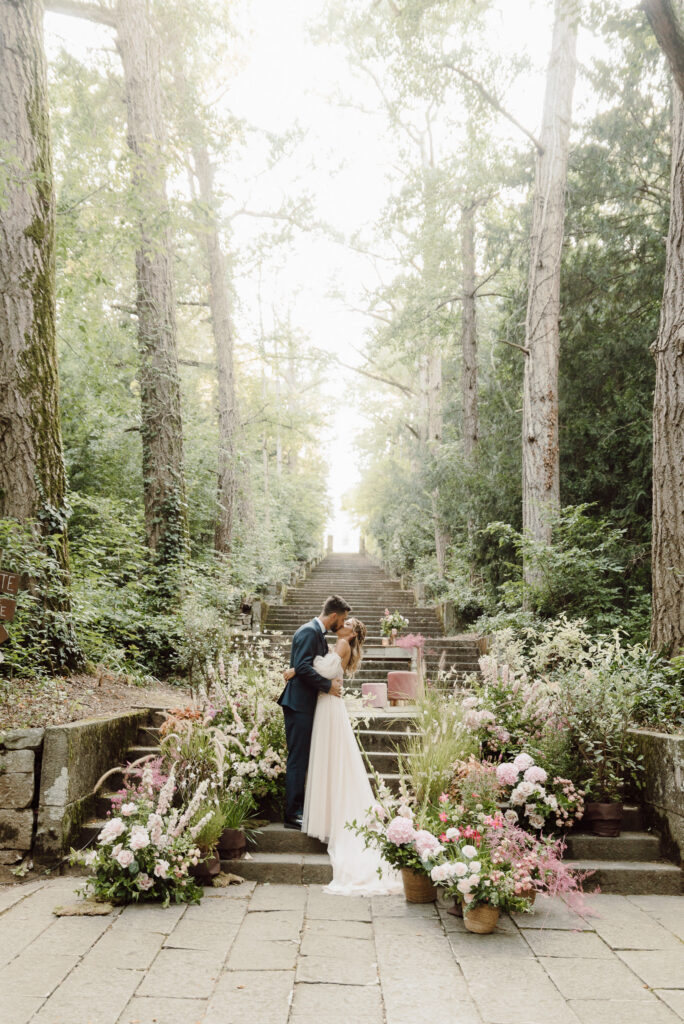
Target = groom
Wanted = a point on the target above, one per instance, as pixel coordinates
(298, 700)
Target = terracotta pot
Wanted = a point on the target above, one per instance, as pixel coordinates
(417, 888)
(385, 641)
(481, 919)
(206, 870)
(232, 844)
(456, 910)
(605, 819)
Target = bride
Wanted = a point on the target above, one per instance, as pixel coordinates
(337, 787)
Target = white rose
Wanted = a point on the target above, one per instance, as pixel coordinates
(469, 851)
(460, 868)
(475, 867)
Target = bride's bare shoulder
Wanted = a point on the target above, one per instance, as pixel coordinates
(343, 649)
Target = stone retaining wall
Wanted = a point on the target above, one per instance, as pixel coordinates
(20, 759)
(75, 756)
(663, 794)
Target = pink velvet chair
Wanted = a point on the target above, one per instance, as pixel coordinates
(403, 686)
(374, 695)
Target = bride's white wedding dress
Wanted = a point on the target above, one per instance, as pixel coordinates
(338, 791)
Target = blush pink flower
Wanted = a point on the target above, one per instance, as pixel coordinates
(535, 774)
(426, 843)
(125, 858)
(507, 774)
(161, 868)
(144, 882)
(523, 761)
(400, 830)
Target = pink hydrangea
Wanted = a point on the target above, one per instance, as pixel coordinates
(535, 774)
(507, 774)
(426, 843)
(400, 830)
(523, 761)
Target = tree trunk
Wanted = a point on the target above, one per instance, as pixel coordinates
(222, 327)
(162, 430)
(434, 421)
(469, 335)
(32, 478)
(667, 625)
(541, 483)
(32, 475)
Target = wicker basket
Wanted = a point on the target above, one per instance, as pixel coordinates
(529, 894)
(481, 919)
(417, 888)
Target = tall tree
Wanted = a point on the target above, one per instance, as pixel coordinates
(161, 423)
(32, 474)
(541, 466)
(667, 628)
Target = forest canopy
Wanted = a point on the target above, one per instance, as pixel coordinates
(409, 272)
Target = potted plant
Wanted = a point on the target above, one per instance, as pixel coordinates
(391, 624)
(408, 849)
(598, 703)
(208, 825)
(238, 826)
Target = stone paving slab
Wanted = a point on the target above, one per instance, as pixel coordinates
(661, 968)
(148, 1010)
(624, 925)
(622, 1011)
(511, 990)
(330, 1004)
(276, 954)
(251, 996)
(594, 979)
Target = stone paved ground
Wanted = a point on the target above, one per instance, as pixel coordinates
(272, 954)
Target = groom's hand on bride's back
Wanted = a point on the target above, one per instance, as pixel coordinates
(336, 688)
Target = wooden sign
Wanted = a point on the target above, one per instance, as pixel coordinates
(9, 582)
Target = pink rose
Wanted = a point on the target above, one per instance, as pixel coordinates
(161, 868)
(144, 882)
(128, 809)
(139, 838)
(125, 858)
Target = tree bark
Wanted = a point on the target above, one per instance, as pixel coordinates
(469, 335)
(222, 327)
(162, 430)
(541, 471)
(32, 476)
(667, 623)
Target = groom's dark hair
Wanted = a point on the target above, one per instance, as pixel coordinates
(335, 606)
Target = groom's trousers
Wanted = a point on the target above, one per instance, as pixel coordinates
(298, 729)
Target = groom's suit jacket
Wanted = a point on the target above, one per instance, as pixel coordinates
(301, 692)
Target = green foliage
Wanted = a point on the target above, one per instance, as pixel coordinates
(582, 573)
(41, 637)
(441, 740)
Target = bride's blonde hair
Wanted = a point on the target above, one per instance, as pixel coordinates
(356, 643)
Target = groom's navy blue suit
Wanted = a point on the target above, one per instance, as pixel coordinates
(298, 701)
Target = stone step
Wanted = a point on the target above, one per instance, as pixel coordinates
(630, 846)
(282, 868)
(135, 753)
(378, 740)
(627, 877)
(275, 838)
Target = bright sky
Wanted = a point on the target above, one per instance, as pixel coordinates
(286, 80)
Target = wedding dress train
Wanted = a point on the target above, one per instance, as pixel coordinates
(338, 791)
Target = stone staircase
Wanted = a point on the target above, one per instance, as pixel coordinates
(629, 864)
(370, 591)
